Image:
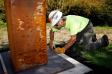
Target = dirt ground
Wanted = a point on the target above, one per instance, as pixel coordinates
(60, 36)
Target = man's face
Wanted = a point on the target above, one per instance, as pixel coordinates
(59, 24)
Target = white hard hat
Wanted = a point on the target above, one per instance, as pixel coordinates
(55, 16)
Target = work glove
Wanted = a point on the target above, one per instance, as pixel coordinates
(59, 50)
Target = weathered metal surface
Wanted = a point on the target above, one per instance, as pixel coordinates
(27, 32)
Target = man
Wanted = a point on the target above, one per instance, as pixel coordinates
(80, 29)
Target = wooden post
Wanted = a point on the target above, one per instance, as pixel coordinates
(27, 32)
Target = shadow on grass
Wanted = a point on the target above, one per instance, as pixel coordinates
(100, 57)
(99, 60)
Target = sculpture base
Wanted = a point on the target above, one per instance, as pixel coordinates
(55, 65)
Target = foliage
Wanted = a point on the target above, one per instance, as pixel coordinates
(2, 24)
(1, 4)
(99, 11)
(67, 6)
(2, 13)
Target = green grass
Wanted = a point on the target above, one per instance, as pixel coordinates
(2, 29)
(2, 24)
(101, 57)
(102, 30)
(103, 27)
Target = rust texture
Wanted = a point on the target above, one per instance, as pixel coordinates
(27, 32)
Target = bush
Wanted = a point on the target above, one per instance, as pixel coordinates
(2, 24)
(2, 11)
(67, 5)
(96, 10)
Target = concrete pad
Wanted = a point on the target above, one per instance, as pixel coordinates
(78, 69)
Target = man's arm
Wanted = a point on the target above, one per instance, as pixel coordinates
(51, 38)
(70, 42)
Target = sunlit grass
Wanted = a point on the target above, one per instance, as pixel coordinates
(2, 29)
(103, 29)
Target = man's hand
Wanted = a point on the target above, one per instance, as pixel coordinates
(59, 50)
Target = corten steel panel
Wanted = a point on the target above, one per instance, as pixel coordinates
(27, 32)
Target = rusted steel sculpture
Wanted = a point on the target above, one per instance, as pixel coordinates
(27, 32)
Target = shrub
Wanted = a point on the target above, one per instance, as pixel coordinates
(2, 11)
(67, 5)
(99, 11)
